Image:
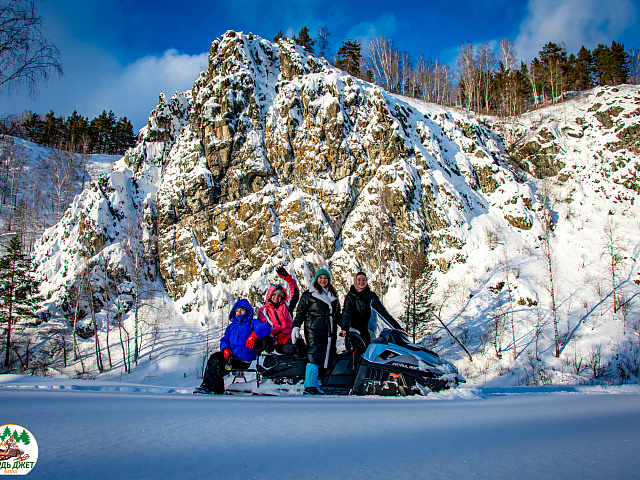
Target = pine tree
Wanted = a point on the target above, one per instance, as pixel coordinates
(123, 136)
(77, 127)
(5, 433)
(24, 438)
(419, 311)
(348, 57)
(32, 126)
(18, 290)
(52, 132)
(611, 64)
(101, 131)
(583, 70)
(304, 40)
(278, 36)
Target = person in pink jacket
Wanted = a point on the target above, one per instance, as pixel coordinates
(278, 309)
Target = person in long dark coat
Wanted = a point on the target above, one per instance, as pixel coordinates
(319, 312)
(357, 309)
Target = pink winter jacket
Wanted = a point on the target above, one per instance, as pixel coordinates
(280, 317)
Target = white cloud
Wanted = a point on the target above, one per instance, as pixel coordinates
(574, 22)
(386, 24)
(94, 80)
(134, 90)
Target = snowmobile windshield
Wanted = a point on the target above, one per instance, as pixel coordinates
(397, 337)
(377, 324)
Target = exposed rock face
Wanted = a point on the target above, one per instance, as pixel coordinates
(276, 157)
(593, 139)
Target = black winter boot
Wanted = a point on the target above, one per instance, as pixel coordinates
(213, 379)
(313, 391)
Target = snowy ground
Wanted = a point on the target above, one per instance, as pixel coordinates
(111, 430)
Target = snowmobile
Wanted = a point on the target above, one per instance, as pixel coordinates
(9, 449)
(390, 366)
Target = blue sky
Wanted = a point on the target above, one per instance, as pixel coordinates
(120, 54)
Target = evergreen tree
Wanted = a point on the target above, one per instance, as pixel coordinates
(101, 131)
(419, 311)
(583, 69)
(18, 290)
(24, 438)
(52, 131)
(523, 88)
(304, 40)
(349, 56)
(104, 134)
(5, 433)
(76, 127)
(501, 82)
(278, 36)
(31, 126)
(611, 64)
(123, 136)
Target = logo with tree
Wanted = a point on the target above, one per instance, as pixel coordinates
(18, 450)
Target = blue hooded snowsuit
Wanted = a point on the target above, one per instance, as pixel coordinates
(239, 329)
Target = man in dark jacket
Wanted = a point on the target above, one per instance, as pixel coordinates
(237, 347)
(357, 309)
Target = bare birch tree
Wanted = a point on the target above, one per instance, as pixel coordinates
(12, 164)
(89, 291)
(507, 271)
(486, 59)
(447, 294)
(634, 66)
(548, 250)
(507, 56)
(614, 247)
(323, 42)
(382, 59)
(60, 170)
(467, 71)
(27, 58)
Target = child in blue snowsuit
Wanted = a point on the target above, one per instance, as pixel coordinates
(238, 346)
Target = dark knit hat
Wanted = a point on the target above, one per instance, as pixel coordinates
(322, 271)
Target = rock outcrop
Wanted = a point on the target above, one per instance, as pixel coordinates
(277, 157)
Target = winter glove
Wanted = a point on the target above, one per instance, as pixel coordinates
(343, 333)
(295, 334)
(282, 338)
(251, 340)
(282, 273)
(228, 354)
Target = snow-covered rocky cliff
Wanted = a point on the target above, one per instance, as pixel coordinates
(278, 158)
